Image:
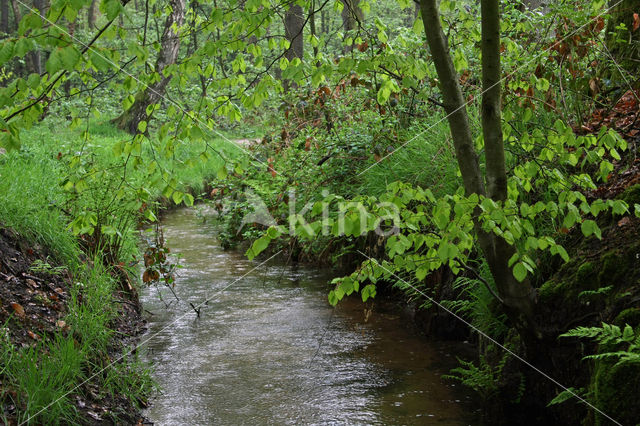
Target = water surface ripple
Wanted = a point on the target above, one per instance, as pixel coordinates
(271, 350)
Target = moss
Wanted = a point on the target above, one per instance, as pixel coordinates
(586, 276)
(629, 316)
(616, 390)
(631, 195)
(548, 290)
(613, 268)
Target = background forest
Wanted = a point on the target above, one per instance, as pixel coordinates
(495, 143)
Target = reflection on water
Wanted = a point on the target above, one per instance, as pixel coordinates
(271, 350)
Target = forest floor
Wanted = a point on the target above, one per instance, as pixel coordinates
(34, 302)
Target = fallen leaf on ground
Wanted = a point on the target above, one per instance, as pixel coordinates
(624, 221)
(18, 309)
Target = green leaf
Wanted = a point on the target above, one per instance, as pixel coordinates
(368, 291)
(6, 52)
(111, 8)
(520, 271)
(563, 396)
(333, 298)
(589, 227)
(222, 173)
(260, 245)
(69, 57)
(177, 197)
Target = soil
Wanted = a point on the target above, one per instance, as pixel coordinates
(32, 308)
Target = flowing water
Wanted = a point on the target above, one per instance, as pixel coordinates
(269, 349)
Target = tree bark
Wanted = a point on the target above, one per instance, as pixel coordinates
(91, 15)
(351, 14)
(4, 16)
(17, 16)
(154, 92)
(294, 27)
(34, 58)
(352, 17)
(518, 298)
(312, 24)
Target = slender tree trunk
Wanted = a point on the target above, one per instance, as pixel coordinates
(17, 16)
(312, 24)
(518, 298)
(170, 46)
(294, 29)
(34, 58)
(91, 15)
(352, 17)
(352, 14)
(4, 16)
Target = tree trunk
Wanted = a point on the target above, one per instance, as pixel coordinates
(294, 27)
(312, 24)
(154, 92)
(17, 16)
(518, 298)
(34, 58)
(352, 17)
(352, 14)
(91, 15)
(624, 45)
(4, 16)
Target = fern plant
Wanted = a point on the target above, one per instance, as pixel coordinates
(625, 343)
(478, 307)
(483, 378)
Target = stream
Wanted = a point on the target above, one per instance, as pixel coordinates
(269, 349)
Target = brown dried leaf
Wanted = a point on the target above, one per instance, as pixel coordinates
(18, 309)
(624, 221)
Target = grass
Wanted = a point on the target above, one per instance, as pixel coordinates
(35, 203)
(42, 375)
(427, 159)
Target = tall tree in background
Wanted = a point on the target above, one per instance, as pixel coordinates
(312, 24)
(168, 55)
(294, 27)
(91, 15)
(518, 297)
(4, 16)
(294, 31)
(352, 16)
